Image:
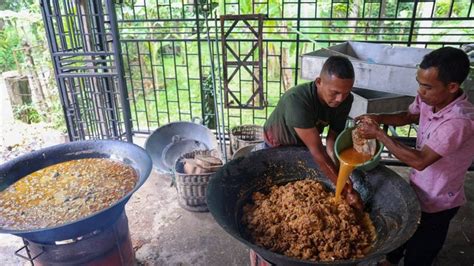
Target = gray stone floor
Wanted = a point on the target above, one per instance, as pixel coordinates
(180, 237)
(165, 234)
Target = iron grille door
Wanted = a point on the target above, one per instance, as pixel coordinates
(84, 46)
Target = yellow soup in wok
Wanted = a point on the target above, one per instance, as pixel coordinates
(64, 192)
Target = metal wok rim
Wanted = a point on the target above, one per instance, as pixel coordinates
(227, 214)
(161, 166)
(84, 143)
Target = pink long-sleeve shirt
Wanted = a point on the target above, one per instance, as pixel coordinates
(450, 133)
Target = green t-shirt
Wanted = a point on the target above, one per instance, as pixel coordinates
(300, 107)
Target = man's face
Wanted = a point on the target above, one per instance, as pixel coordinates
(333, 90)
(431, 90)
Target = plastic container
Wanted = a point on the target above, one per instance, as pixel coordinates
(344, 141)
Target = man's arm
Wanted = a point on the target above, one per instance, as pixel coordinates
(312, 140)
(393, 119)
(330, 141)
(418, 159)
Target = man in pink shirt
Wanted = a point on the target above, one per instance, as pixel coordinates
(443, 153)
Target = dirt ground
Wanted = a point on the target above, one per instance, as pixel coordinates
(18, 138)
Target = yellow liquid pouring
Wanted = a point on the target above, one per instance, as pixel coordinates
(349, 159)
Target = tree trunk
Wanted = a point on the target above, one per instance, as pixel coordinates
(37, 91)
(272, 61)
(286, 70)
(383, 9)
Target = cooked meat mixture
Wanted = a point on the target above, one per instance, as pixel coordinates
(302, 220)
(64, 192)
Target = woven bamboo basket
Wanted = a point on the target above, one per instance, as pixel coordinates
(192, 188)
(245, 135)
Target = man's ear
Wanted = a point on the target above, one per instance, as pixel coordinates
(453, 87)
(318, 81)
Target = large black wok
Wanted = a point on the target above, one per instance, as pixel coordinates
(21, 166)
(393, 206)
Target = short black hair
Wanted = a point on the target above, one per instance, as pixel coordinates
(452, 64)
(339, 66)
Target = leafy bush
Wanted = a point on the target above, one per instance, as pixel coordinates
(27, 113)
(9, 41)
(56, 117)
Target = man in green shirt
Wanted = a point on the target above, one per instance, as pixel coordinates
(306, 109)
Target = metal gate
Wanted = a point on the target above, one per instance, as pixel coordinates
(131, 66)
(84, 46)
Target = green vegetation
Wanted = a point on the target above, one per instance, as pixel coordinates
(27, 113)
(167, 80)
(23, 48)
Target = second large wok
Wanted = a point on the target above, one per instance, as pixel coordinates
(393, 206)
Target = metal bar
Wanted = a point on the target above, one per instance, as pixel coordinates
(298, 23)
(224, 60)
(221, 103)
(153, 78)
(188, 79)
(52, 46)
(131, 85)
(250, 27)
(77, 124)
(81, 75)
(260, 60)
(60, 24)
(470, 9)
(451, 8)
(176, 81)
(66, 62)
(412, 24)
(71, 22)
(241, 17)
(311, 19)
(142, 80)
(458, 43)
(88, 83)
(28, 256)
(330, 12)
(109, 115)
(239, 105)
(164, 83)
(214, 90)
(83, 54)
(231, 28)
(198, 33)
(69, 27)
(122, 87)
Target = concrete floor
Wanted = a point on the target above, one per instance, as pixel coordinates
(179, 237)
(165, 234)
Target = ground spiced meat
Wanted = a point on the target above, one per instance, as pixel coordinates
(301, 220)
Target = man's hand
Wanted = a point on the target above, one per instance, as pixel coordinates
(352, 197)
(369, 129)
(373, 117)
(313, 141)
